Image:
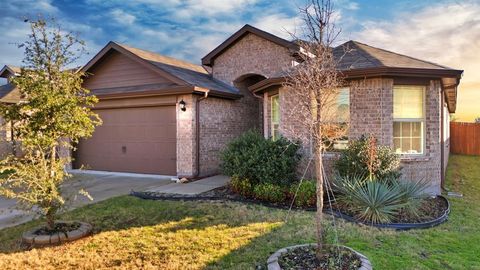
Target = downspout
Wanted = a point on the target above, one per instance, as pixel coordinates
(262, 99)
(442, 139)
(197, 133)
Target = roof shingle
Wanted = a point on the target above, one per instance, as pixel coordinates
(356, 55)
(190, 73)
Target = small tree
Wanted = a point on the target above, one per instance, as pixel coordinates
(314, 86)
(477, 120)
(54, 113)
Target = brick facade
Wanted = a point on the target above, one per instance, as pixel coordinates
(251, 55)
(371, 112)
(222, 120)
(186, 134)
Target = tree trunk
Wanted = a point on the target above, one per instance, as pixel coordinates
(53, 160)
(50, 216)
(317, 144)
(319, 213)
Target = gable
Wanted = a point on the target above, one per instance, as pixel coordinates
(118, 70)
(208, 60)
(251, 54)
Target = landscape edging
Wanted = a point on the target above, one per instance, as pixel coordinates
(338, 214)
(272, 262)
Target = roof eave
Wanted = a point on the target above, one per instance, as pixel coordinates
(402, 72)
(264, 84)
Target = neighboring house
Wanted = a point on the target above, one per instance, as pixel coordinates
(166, 116)
(8, 94)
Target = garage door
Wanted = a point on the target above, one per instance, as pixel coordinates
(139, 140)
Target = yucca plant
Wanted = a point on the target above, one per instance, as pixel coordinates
(376, 202)
(414, 194)
(379, 201)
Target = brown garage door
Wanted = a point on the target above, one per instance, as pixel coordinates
(140, 140)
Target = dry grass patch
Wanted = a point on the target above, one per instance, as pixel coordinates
(130, 233)
(172, 245)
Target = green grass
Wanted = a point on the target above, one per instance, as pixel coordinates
(131, 233)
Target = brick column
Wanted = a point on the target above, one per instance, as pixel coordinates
(186, 132)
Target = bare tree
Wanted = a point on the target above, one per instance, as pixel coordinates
(313, 87)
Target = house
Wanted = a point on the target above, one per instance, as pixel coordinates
(166, 116)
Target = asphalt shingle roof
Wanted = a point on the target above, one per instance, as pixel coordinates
(190, 73)
(357, 55)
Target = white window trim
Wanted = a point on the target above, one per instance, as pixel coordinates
(418, 120)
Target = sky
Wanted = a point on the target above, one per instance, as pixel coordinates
(441, 31)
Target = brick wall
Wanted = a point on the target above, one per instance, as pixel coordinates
(251, 55)
(186, 143)
(222, 120)
(371, 112)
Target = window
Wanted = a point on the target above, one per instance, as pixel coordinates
(339, 116)
(275, 117)
(408, 119)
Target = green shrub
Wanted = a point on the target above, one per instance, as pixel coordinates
(305, 193)
(378, 201)
(241, 186)
(269, 192)
(354, 161)
(261, 160)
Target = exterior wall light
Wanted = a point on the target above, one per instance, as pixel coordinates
(182, 105)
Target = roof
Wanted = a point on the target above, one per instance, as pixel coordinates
(210, 57)
(356, 55)
(181, 72)
(359, 60)
(13, 70)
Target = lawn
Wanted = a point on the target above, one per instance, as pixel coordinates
(132, 233)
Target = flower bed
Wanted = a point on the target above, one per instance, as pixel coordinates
(434, 218)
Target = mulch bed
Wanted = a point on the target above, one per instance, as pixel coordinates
(334, 258)
(58, 228)
(431, 208)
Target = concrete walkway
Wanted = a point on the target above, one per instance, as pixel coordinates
(100, 185)
(193, 188)
(104, 185)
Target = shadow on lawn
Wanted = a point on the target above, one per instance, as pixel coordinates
(124, 213)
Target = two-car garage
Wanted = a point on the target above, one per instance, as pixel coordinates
(140, 140)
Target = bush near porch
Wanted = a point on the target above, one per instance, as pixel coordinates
(131, 233)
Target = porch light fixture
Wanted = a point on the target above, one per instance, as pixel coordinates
(182, 106)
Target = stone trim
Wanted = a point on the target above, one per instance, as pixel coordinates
(30, 237)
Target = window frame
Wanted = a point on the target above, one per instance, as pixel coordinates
(272, 130)
(422, 121)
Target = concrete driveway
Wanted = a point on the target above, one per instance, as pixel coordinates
(100, 185)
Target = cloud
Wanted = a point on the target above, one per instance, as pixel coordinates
(122, 17)
(30, 7)
(211, 7)
(448, 34)
(346, 4)
(281, 25)
(13, 19)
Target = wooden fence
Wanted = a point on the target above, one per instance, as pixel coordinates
(465, 138)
